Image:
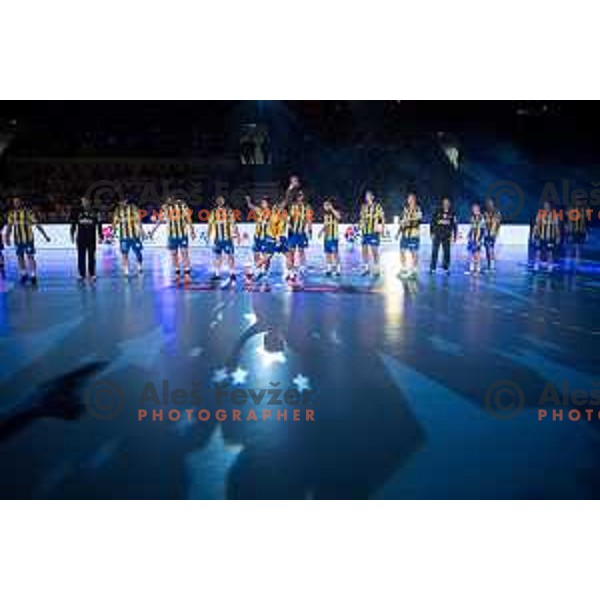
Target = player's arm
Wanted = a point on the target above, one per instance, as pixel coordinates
(99, 227)
(115, 223)
(251, 204)
(336, 213)
(211, 226)
(161, 219)
(418, 217)
(401, 225)
(236, 231)
(189, 222)
(361, 220)
(309, 220)
(433, 225)
(39, 227)
(381, 219)
(10, 222)
(138, 225)
(73, 225)
(454, 226)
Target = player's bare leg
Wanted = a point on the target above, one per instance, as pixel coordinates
(231, 265)
(550, 260)
(403, 268)
(289, 263)
(125, 264)
(32, 269)
(328, 264)
(537, 260)
(185, 258)
(22, 268)
(301, 260)
(365, 259)
(217, 267)
(477, 262)
(175, 261)
(375, 253)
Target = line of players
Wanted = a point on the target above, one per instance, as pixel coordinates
(285, 227)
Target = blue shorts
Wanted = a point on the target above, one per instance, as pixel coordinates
(223, 246)
(175, 243)
(544, 245)
(25, 248)
(128, 244)
(297, 240)
(410, 243)
(489, 241)
(271, 246)
(578, 237)
(259, 245)
(474, 246)
(371, 239)
(330, 246)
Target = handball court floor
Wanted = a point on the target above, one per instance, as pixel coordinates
(415, 386)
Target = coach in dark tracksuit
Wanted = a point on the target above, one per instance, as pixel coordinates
(444, 229)
(84, 224)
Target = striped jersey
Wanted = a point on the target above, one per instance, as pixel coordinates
(278, 220)
(477, 230)
(331, 226)
(262, 223)
(578, 224)
(21, 221)
(126, 221)
(221, 224)
(410, 222)
(300, 215)
(178, 218)
(547, 227)
(371, 216)
(493, 219)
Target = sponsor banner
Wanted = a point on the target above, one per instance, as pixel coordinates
(60, 235)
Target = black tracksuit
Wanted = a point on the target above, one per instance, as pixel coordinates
(86, 223)
(443, 228)
(2, 224)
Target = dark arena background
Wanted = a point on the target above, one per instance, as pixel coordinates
(304, 380)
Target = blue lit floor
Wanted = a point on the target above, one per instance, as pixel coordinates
(397, 374)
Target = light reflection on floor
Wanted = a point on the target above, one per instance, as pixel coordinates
(397, 370)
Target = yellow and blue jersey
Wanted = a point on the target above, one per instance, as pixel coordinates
(300, 215)
(178, 219)
(330, 226)
(262, 223)
(126, 222)
(578, 225)
(476, 230)
(371, 218)
(493, 220)
(410, 222)
(221, 225)
(21, 222)
(547, 228)
(278, 220)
